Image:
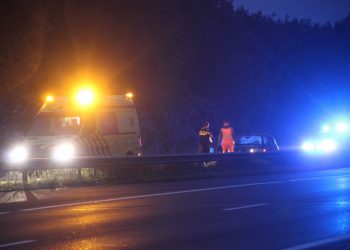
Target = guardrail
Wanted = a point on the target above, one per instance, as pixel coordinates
(110, 161)
(239, 162)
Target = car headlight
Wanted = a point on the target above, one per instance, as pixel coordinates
(252, 150)
(63, 152)
(17, 155)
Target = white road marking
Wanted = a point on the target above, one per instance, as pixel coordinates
(320, 242)
(319, 178)
(308, 179)
(12, 196)
(173, 193)
(328, 171)
(17, 243)
(150, 195)
(244, 207)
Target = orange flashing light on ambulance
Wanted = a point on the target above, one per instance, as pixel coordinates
(67, 127)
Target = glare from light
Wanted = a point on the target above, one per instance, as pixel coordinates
(129, 95)
(326, 129)
(85, 97)
(64, 152)
(17, 155)
(342, 182)
(251, 150)
(308, 146)
(50, 98)
(342, 127)
(342, 203)
(327, 145)
(264, 150)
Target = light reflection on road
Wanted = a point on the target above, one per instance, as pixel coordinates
(342, 182)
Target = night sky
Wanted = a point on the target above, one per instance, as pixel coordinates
(320, 11)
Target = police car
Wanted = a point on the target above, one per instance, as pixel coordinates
(331, 137)
(67, 127)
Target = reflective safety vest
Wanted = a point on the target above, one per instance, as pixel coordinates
(227, 134)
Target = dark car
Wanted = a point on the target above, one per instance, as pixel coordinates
(252, 143)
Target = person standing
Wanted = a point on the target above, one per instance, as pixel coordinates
(205, 138)
(226, 138)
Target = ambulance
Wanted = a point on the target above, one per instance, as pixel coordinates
(80, 126)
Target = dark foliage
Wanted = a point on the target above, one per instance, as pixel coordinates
(187, 62)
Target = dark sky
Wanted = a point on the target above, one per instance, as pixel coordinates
(321, 11)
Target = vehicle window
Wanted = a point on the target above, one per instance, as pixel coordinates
(268, 140)
(39, 127)
(126, 123)
(108, 123)
(89, 125)
(249, 140)
(55, 125)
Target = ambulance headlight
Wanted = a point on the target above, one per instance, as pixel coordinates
(17, 155)
(64, 152)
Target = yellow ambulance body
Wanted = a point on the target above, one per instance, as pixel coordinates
(62, 129)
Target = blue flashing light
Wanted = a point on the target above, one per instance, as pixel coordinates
(308, 146)
(322, 146)
(342, 127)
(326, 128)
(327, 145)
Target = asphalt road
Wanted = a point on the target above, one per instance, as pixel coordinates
(256, 212)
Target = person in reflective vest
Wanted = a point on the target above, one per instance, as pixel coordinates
(205, 138)
(226, 138)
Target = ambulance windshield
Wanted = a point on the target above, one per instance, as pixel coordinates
(55, 124)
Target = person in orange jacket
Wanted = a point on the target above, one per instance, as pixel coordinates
(226, 140)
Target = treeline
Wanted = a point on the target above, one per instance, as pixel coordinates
(186, 61)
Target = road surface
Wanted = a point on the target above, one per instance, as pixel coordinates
(296, 210)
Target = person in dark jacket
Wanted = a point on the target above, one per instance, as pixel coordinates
(205, 138)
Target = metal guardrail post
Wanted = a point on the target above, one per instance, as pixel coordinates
(24, 177)
(79, 173)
